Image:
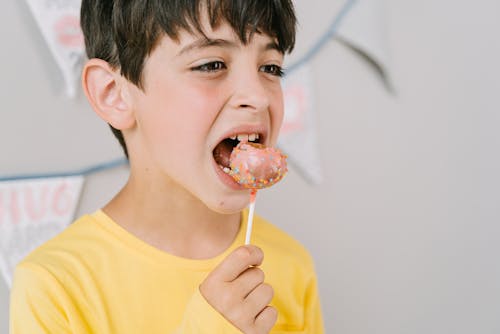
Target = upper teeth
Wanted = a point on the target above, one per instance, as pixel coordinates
(245, 137)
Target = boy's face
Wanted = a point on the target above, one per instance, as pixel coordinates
(196, 93)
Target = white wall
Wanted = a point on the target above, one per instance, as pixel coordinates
(404, 229)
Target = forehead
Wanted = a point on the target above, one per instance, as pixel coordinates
(206, 25)
(223, 35)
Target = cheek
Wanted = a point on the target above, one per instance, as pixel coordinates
(181, 116)
(277, 115)
(196, 102)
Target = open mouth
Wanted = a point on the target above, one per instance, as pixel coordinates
(222, 151)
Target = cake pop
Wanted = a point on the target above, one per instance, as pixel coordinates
(256, 166)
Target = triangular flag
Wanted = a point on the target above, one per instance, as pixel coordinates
(59, 22)
(364, 30)
(298, 137)
(31, 212)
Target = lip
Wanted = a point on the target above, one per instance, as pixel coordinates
(225, 178)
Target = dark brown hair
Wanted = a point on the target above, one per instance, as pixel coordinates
(125, 32)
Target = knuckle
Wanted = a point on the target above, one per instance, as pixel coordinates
(258, 253)
(207, 288)
(266, 320)
(268, 290)
(242, 252)
(250, 254)
(211, 279)
(260, 275)
(272, 314)
(274, 311)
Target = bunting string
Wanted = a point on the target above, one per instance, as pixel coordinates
(82, 172)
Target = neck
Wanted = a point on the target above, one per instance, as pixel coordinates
(172, 220)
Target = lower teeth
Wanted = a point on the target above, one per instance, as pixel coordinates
(225, 169)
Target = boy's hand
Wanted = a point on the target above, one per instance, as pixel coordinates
(236, 289)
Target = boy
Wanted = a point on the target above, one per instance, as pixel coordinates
(176, 80)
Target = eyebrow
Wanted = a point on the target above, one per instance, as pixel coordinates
(208, 42)
(205, 43)
(272, 46)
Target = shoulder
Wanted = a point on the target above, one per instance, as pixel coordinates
(46, 284)
(59, 266)
(73, 242)
(279, 246)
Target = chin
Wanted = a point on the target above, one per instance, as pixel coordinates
(230, 204)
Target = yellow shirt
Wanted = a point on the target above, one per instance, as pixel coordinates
(95, 277)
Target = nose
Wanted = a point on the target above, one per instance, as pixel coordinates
(249, 92)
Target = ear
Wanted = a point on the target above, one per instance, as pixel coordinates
(106, 93)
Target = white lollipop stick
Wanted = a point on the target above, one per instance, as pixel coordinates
(250, 216)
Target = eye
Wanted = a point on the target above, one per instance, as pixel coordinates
(212, 66)
(273, 69)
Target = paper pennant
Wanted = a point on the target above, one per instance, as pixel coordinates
(31, 212)
(298, 137)
(59, 22)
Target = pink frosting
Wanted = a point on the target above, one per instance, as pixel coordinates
(255, 166)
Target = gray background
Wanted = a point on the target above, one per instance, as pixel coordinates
(404, 230)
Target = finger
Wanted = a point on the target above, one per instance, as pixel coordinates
(238, 261)
(258, 299)
(244, 284)
(266, 319)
